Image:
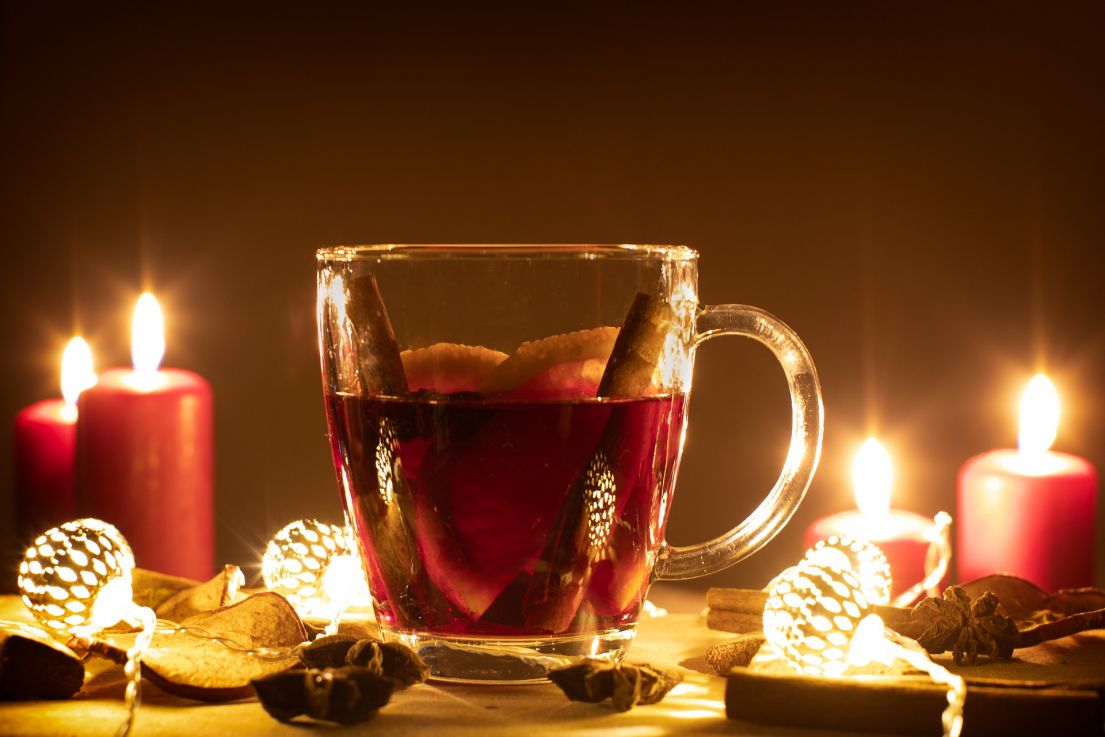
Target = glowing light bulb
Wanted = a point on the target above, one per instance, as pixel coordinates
(810, 615)
(147, 346)
(1039, 417)
(865, 560)
(76, 374)
(65, 571)
(816, 616)
(76, 580)
(316, 567)
(872, 477)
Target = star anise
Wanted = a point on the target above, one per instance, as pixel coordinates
(625, 684)
(969, 629)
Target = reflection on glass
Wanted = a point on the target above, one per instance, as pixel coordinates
(600, 488)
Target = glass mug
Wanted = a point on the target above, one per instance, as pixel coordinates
(506, 424)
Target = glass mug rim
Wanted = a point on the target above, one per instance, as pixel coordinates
(568, 251)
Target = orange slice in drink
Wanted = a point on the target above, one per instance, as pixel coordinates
(566, 366)
(449, 367)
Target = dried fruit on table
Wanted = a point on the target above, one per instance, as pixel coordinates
(152, 589)
(34, 666)
(220, 591)
(195, 665)
(625, 684)
(345, 695)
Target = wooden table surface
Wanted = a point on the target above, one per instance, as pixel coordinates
(679, 639)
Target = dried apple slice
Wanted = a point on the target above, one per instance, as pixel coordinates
(152, 589)
(567, 366)
(220, 591)
(449, 367)
(201, 668)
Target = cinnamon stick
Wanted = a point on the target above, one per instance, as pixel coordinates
(377, 369)
(638, 349)
(1064, 627)
(739, 622)
(379, 366)
(556, 589)
(736, 600)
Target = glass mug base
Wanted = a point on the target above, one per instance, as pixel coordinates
(510, 660)
(506, 424)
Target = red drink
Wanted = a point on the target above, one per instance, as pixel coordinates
(507, 518)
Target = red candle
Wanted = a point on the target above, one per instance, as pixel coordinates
(1029, 511)
(45, 437)
(144, 455)
(903, 536)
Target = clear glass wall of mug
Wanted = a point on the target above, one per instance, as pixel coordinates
(506, 425)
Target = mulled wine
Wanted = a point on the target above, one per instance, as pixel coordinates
(507, 518)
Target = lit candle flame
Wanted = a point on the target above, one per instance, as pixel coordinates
(147, 340)
(1039, 417)
(76, 374)
(872, 476)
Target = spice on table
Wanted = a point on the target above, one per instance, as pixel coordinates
(967, 628)
(735, 653)
(345, 695)
(392, 660)
(625, 684)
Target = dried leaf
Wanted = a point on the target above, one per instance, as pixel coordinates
(220, 591)
(345, 695)
(34, 666)
(625, 684)
(198, 667)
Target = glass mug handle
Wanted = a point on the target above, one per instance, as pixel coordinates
(807, 417)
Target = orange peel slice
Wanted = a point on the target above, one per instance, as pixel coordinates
(583, 352)
(449, 367)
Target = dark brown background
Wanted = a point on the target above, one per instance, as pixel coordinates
(918, 191)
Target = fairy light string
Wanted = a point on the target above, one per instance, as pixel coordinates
(818, 617)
